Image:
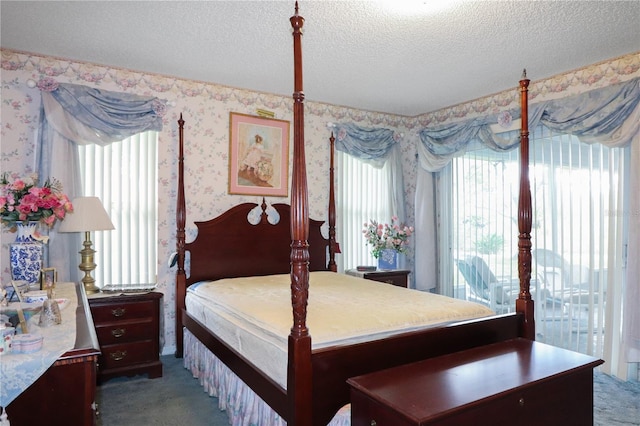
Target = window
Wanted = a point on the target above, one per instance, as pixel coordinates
(577, 243)
(362, 194)
(124, 176)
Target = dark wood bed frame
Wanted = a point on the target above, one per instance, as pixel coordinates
(228, 246)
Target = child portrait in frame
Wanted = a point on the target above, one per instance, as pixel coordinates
(259, 155)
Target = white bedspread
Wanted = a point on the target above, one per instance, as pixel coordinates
(254, 315)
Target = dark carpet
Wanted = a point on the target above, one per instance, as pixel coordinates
(178, 399)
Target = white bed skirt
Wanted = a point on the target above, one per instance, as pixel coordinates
(242, 405)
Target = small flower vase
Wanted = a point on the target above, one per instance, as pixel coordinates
(25, 254)
(388, 260)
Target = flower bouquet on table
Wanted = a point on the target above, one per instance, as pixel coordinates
(387, 238)
(23, 206)
(24, 201)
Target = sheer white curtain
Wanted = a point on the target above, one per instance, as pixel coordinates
(363, 193)
(124, 176)
(426, 254)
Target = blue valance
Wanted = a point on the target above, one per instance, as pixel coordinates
(365, 143)
(89, 115)
(602, 115)
(593, 116)
(123, 113)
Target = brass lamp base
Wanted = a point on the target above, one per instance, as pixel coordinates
(87, 265)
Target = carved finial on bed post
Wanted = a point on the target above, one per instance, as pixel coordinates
(524, 303)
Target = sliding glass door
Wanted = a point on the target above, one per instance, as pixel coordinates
(578, 235)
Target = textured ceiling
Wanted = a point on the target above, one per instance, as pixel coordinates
(357, 54)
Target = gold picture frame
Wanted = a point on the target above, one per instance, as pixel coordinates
(48, 278)
(258, 155)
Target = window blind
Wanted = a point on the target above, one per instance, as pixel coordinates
(362, 194)
(124, 176)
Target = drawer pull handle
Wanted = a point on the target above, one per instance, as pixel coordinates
(118, 332)
(118, 355)
(521, 402)
(118, 312)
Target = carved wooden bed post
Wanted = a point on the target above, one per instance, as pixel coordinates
(333, 244)
(524, 303)
(180, 242)
(299, 370)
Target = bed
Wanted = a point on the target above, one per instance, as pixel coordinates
(307, 383)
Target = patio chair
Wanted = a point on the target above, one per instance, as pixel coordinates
(485, 288)
(566, 283)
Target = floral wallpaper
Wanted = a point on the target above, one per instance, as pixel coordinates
(205, 107)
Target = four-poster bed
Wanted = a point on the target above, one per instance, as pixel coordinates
(315, 387)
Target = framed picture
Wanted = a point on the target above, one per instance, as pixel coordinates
(48, 278)
(258, 155)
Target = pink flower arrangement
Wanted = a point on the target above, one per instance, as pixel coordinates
(22, 201)
(381, 236)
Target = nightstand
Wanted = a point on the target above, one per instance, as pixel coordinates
(128, 329)
(399, 277)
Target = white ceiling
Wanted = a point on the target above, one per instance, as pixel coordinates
(357, 54)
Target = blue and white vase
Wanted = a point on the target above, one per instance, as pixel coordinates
(388, 260)
(25, 254)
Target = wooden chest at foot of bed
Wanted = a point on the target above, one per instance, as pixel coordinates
(512, 382)
(128, 330)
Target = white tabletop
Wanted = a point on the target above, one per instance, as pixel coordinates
(19, 370)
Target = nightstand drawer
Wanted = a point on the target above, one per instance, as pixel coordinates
(115, 356)
(122, 311)
(123, 332)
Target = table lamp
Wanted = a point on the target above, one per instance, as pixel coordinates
(88, 215)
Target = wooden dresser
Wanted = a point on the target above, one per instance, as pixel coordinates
(399, 277)
(128, 329)
(512, 382)
(66, 393)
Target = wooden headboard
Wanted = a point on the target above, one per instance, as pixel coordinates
(231, 246)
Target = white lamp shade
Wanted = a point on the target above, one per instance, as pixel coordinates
(88, 215)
